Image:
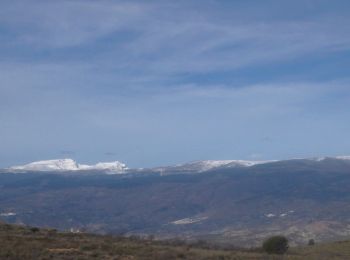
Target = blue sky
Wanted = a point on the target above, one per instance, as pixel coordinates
(163, 82)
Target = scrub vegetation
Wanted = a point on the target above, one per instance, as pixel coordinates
(20, 242)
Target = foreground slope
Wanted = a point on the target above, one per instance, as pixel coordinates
(19, 242)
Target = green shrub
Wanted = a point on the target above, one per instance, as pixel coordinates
(311, 242)
(88, 247)
(34, 229)
(276, 245)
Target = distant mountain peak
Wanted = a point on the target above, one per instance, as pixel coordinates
(322, 158)
(211, 164)
(207, 165)
(344, 157)
(49, 165)
(69, 165)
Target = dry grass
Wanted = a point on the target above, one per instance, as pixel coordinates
(24, 243)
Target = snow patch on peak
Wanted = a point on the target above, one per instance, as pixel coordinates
(319, 159)
(49, 165)
(231, 163)
(110, 166)
(211, 164)
(70, 165)
(247, 163)
(344, 157)
(206, 165)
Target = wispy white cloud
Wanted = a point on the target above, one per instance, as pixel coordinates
(167, 39)
(65, 23)
(204, 46)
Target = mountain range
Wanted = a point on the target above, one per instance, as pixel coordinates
(117, 167)
(61, 165)
(230, 201)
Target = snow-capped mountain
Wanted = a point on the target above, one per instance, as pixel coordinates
(206, 165)
(69, 165)
(64, 165)
(49, 165)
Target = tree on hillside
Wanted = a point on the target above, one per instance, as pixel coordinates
(276, 245)
(311, 242)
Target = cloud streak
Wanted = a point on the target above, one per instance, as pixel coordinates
(168, 39)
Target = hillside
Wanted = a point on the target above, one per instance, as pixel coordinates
(19, 242)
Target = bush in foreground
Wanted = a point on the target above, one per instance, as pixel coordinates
(276, 245)
(311, 242)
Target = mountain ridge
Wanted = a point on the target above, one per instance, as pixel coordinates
(199, 166)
